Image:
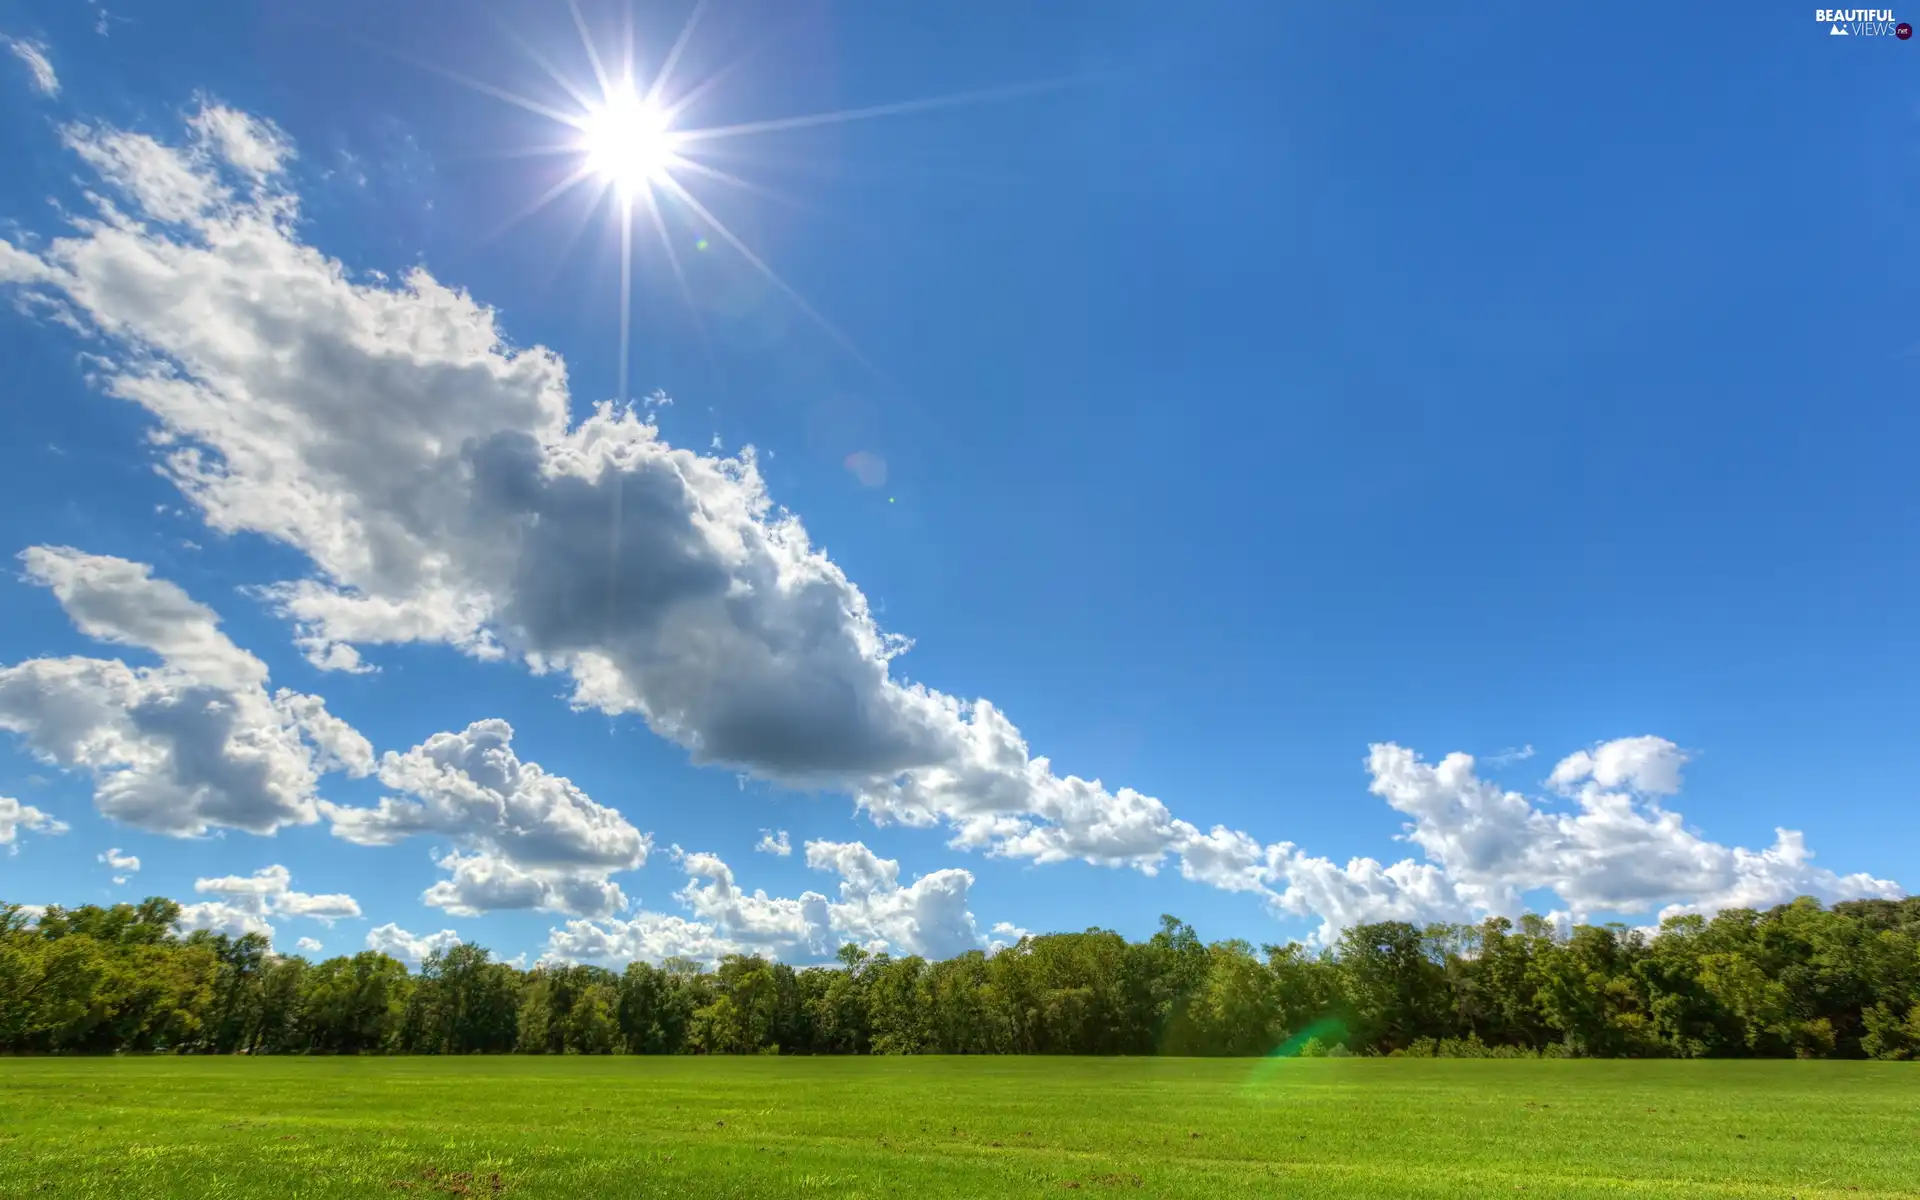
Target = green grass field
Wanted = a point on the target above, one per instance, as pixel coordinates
(699, 1127)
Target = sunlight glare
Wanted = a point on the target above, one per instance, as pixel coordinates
(627, 142)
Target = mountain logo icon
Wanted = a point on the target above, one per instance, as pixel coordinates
(1836, 31)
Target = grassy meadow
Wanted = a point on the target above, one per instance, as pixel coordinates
(921, 1127)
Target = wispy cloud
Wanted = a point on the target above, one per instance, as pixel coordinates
(34, 55)
(1509, 756)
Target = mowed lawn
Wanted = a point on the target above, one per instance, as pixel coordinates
(700, 1127)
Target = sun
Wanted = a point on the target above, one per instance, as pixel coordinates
(627, 142)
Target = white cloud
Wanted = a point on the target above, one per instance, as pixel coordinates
(125, 864)
(648, 937)
(928, 916)
(431, 475)
(307, 945)
(33, 55)
(192, 744)
(479, 883)
(755, 919)
(1000, 798)
(216, 916)
(15, 816)
(532, 840)
(1365, 891)
(1621, 851)
(772, 843)
(1487, 847)
(1647, 765)
(255, 147)
(1006, 935)
(395, 942)
(269, 892)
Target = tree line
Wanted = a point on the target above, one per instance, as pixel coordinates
(1796, 980)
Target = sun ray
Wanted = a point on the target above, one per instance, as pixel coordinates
(515, 153)
(574, 229)
(468, 81)
(593, 55)
(666, 244)
(665, 74)
(573, 180)
(745, 251)
(692, 95)
(626, 294)
(680, 275)
(627, 42)
(900, 108)
(580, 96)
(682, 163)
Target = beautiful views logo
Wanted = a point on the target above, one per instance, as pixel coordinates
(1862, 22)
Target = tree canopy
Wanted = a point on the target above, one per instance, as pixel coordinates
(1796, 980)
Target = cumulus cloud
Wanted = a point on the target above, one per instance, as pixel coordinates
(128, 863)
(244, 902)
(1647, 765)
(432, 477)
(33, 56)
(1006, 935)
(1487, 847)
(15, 817)
(125, 864)
(216, 916)
(307, 945)
(529, 839)
(415, 948)
(648, 937)
(1619, 851)
(772, 843)
(928, 916)
(194, 743)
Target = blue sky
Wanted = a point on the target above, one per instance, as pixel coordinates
(1253, 407)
